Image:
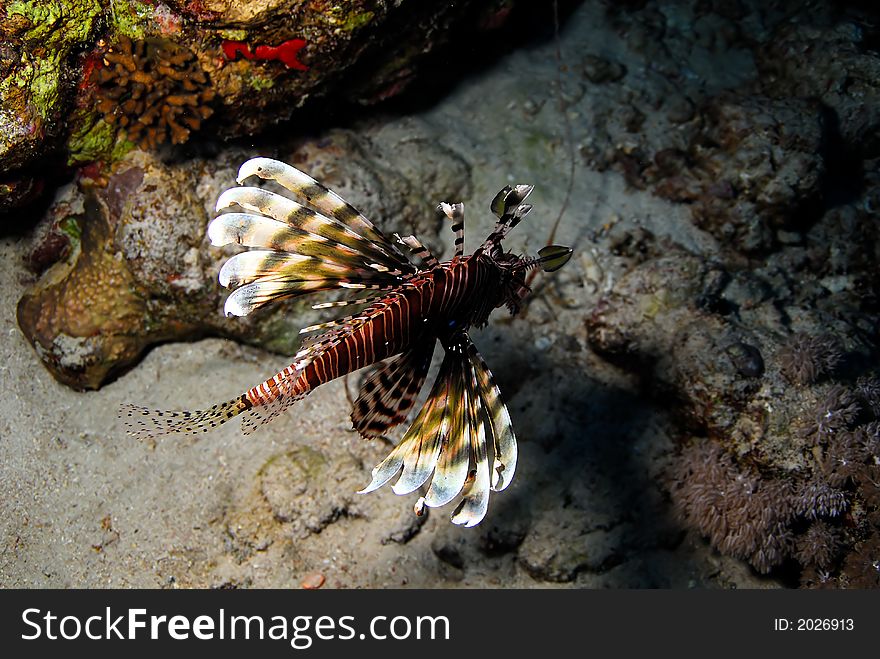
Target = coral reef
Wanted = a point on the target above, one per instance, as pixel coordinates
(838, 65)
(766, 363)
(170, 65)
(751, 170)
(154, 90)
(785, 477)
(761, 518)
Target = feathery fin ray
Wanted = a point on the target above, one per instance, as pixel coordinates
(387, 396)
(144, 423)
(460, 422)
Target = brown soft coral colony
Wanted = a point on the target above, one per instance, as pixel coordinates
(742, 513)
(153, 89)
(804, 358)
(826, 517)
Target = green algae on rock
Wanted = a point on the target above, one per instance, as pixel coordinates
(355, 51)
(38, 39)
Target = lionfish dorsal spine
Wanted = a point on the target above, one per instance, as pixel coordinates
(419, 250)
(455, 214)
(508, 207)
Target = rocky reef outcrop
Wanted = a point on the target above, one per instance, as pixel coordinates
(85, 81)
(125, 264)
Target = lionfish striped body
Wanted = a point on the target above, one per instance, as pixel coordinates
(462, 433)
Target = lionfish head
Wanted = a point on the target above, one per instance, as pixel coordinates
(515, 269)
(509, 208)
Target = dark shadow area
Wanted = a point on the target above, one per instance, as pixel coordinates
(468, 53)
(584, 499)
(844, 181)
(48, 177)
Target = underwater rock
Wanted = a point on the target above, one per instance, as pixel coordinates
(504, 532)
(560, 546)
(652, 321)
(750, 124)
(599, 70)
(139, 269)
(94, 312)
(37, 42)
(836, 64)
(446, 548)
(753, 168)
(91, 79)
(803, 454)
(401, 525)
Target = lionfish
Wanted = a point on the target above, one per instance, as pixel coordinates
(462, 434)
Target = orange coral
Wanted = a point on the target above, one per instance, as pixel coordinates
(153, 89)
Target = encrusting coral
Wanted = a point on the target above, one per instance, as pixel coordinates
(153, 89)
(833, 413)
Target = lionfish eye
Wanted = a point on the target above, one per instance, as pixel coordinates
(553, 257)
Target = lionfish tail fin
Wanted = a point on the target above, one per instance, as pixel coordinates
(145, 423)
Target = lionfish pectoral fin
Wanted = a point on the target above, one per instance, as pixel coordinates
(387, 396)
(419, 449)
(451, 471)
(462, 435)
(499, 426)
(302, 248)
(475, 495)
(323, 200)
